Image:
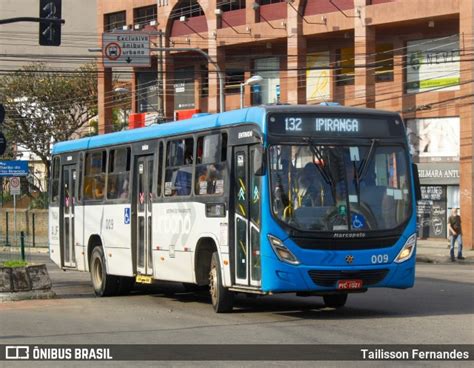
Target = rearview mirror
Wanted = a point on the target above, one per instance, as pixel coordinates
(416, 181)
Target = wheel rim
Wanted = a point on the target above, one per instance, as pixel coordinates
(213, 284)
(97, 273)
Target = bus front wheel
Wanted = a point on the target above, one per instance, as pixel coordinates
(222, 299)
(335, 301)
(104, 284)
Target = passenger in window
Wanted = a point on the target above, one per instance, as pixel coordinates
(188, 158)
(306, 192)
(99, 188)
(201, 185)
(112, 190)
(124, 189)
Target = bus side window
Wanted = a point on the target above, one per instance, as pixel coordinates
(118, 176)
(211, 167)
(94, 178)
(179, 168)
(160, 169)
(55, 180)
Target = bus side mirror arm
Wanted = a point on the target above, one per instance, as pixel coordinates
(416, 181)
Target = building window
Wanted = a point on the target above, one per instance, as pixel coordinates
(228, 5)
(204, 90)
(188, 9)
(267, 91)
(233, 79)
(384, 63)
(266, 2)
(345, 66)
(147, 95)
(114, 21)
(143, 16)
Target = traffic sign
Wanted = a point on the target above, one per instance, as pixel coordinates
(13, 168)
(50, 32)
(126, 49)
(15, 188)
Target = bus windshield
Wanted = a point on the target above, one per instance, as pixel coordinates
(340, 187)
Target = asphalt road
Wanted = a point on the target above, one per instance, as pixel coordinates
(438, 310)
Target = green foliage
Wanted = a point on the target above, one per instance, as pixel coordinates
(15, 263)
(40, 201)
(44, 107)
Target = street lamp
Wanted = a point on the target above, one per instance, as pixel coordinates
(123, 92)
(255, 79)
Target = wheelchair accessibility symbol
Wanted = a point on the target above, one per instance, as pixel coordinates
(358, 221)
(126, 216)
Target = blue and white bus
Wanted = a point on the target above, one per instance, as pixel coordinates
(313, 200)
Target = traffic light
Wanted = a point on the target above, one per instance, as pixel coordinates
(50, 32)
(3, 141)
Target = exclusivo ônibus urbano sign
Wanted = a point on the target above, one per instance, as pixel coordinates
(127, 48)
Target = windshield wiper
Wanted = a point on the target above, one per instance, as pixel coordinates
(365, 162)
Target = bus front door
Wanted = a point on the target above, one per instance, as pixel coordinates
(143, 203)
(68, 199)
(247, 204)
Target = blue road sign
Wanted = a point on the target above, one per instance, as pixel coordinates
(13, 168)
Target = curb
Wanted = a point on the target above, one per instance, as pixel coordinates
(27, 295)
(442, 260)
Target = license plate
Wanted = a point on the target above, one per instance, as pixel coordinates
(349, 284)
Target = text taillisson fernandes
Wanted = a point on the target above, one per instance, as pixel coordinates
(413, 354)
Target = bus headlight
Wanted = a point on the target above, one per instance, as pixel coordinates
(282, 252)
(407, 250)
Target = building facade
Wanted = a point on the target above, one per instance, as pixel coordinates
(414, 57)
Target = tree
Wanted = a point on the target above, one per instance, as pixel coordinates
(44, 107)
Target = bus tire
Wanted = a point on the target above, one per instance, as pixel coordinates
(222, 299)
(335, 301)
(103, 284)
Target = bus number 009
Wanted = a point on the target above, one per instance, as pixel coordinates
(293, 124)
(379, 258)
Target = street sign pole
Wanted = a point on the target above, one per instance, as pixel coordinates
(15, 242)
(15, 189)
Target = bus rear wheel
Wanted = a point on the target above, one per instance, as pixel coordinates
(335, 301)
(104, 284)
(222, 299)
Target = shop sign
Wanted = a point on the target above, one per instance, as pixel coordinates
(439, 173)
(433, 64)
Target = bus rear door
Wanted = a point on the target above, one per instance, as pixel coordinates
(67, 223)
(143, 209)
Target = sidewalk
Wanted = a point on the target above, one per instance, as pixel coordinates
(437, 251)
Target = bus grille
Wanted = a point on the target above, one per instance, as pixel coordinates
(329, 278)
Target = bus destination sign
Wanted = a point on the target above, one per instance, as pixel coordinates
(333, 125)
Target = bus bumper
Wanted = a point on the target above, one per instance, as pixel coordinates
(280, 277)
